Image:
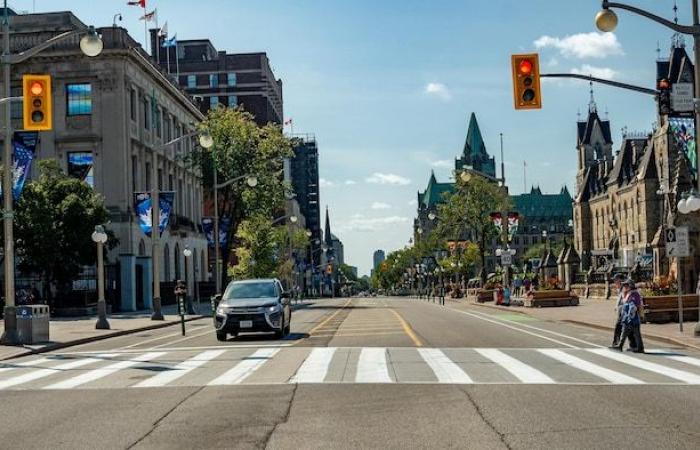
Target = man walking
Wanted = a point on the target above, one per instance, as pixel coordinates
(631, 322)
(617, 279)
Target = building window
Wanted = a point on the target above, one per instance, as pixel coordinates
(80, 166)
(159, 122)
(146, 115)
(213, 101)
(191, 81)
(132, 104)
(213, 80)
(79, 98)
(148, 176)
(231, 79)
(232, 101)
(134, 173)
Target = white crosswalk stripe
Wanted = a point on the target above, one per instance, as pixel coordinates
(520, 370)
(445, 370)
(293, 365)
(245, 368)
(372, 367)
(315, 367)
(102, 372)
(181, 369)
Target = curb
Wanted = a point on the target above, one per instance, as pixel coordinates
(101, 337)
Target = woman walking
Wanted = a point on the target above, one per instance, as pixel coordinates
(631, 322)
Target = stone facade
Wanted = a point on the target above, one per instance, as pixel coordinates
(127, 108)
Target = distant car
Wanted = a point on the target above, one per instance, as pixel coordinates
(253, 306)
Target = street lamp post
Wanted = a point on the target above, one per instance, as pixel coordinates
(606, 21)
(91, 45)
(99, 237)
(187, 252)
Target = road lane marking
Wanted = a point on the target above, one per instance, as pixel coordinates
(329, 318)
(444, 368)
(102, 372)
(150, 340)
(181, 369)
(677, 357)
(372, 366)
(519, 369)
(315, 366)
(245, 368)
(192, 336)
(407, 329)
(586, 366)
(15, 366)
(228, 345)
(43, 373)
(358, 334)
(676, 374)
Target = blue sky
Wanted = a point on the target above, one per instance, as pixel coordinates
(387, 87)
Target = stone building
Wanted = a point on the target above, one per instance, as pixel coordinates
(624, 203)
(112, 113)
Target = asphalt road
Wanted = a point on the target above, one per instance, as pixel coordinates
(357, 373)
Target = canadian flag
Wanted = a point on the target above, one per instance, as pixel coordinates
(288, 122)
(141, 3)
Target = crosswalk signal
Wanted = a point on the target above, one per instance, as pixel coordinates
(36, 92)
(526, 81)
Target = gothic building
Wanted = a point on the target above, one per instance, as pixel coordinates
(623, 203)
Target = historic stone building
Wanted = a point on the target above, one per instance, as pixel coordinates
(624, 203)
(112, 113)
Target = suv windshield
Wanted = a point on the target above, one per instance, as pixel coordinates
(250, 290)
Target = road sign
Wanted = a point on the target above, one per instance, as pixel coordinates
(506, 259)
(677, 242)
(682, 97)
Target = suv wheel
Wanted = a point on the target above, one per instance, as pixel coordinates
(221, 336)
(279, 334)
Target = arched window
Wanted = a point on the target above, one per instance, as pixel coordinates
(142, 248)
(166, 261)
(177, 261)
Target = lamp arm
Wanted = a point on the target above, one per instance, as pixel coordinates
(25, 55)
(685, 29)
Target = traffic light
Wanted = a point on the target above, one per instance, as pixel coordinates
(526, 81)
(664, 96)
(36, 92)
(329, 269)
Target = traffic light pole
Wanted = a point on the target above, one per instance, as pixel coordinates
(617, 84)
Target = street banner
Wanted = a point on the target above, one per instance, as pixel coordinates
(224, 228)
(497, 219)
(21, 167)
(144, 210)
(27, 138)
(80, 166)
(224, 231)
(513, 223)
(683, 129)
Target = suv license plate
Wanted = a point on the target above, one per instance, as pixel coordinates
(246, 324)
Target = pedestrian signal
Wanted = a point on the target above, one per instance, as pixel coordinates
(526, 81)
(36, 99)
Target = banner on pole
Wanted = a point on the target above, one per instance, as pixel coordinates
(144, 210)
(224, 229)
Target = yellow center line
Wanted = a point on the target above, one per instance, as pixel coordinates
(329, 318)
(356, 334)
(408, 330)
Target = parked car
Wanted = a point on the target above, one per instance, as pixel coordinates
(259, 305)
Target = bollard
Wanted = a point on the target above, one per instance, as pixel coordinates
(181, 310)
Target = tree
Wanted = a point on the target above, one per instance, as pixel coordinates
(466, 213)
(54, 221)
(242, 148)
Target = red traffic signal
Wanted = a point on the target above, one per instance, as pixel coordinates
(526, 81)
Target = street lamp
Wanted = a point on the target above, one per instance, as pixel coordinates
(92, 46)
(432, 215)
(187, 252)
(606, 20)
(99, 237)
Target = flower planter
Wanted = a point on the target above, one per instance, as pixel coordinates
(664, 308)
(486, 295)
(544, 299)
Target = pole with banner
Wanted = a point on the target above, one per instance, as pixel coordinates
(678, 245)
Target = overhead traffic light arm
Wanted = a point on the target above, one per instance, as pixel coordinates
(685, 29)
(617, 84)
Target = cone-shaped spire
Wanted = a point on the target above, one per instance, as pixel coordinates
(328, 239)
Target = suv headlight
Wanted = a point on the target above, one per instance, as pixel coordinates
(221, 310)
(273, 308)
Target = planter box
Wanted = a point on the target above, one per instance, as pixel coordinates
(664, 308)
(545, 299)
(486, 295)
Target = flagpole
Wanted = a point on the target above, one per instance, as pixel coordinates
(145, 28)
(157, 39)
(177, 61)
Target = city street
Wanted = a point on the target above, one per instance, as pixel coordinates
(363, 373)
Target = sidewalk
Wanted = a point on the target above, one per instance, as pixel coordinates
(66, 331)
(600, 314)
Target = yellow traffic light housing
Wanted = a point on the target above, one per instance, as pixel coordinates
(526, 81)
(329, 269)
(37, 106)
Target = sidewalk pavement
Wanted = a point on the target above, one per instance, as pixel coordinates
(599, 313)
(69, 331)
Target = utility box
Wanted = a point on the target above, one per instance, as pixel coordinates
(32, 324)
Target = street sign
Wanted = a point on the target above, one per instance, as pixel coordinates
(506, 259)
(682, 97)
(677, 242)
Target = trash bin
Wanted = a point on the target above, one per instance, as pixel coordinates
(32, 324)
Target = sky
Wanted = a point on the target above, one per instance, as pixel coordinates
(387, 87)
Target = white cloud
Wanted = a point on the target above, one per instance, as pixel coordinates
(413, 202)
(370, 224)
(350, 182)
(598, 72)
(442, 163)
(583, 45)
(438, 90)
(553, 62)
(387, 178)
(325, 183)
(380, 205)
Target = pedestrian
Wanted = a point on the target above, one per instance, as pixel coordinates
(630, 318)
(527, 284)
(617, 280)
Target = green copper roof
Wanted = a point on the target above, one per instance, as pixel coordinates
(539, 205)
(474, 154)
(434, 193)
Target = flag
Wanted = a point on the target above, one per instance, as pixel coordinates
(164, 30)
(149, 17)
(288, 122)
(172, 42)
(141, 3)
(144, 212)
